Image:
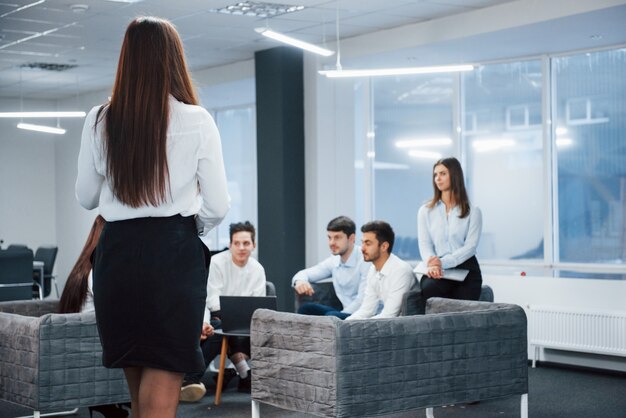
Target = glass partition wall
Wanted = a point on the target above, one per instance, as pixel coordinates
(543, 148)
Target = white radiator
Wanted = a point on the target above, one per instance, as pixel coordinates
(576, 330)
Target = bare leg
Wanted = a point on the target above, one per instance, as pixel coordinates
(133, 378)
(154, 393)
(158, 393)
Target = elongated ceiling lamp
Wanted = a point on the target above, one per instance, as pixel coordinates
(41, 128)
(377, 72)
(71, 114)
(294, 42)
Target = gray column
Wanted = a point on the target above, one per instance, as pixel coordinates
(280, 165)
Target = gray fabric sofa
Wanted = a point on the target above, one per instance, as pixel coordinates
(53, 362)
(459, 352)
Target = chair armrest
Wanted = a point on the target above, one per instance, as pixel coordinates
(413, 303)
(19, 358)
(30, 307)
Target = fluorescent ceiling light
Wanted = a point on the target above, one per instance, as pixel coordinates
(41, 128)
(42, 114)
(484, 145)
(425, 154)
(427, 142)
(294, 42)
(377, 72)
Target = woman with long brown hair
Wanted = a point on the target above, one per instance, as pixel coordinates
(448, 230)
(151, 160)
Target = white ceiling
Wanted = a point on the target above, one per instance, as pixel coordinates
(48, 31)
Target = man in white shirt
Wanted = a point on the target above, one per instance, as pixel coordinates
(345, 267)
(231, 273)
(389, 277)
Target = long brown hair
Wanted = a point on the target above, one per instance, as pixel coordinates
(457, 185)
(75, 290)
(151, 67)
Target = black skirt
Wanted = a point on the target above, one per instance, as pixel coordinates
(149, 281)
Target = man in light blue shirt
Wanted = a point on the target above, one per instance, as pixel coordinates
(345, 267)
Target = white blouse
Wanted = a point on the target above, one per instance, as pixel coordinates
(194, 155)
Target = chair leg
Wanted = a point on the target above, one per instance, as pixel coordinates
(524, 406)
(430, 413)
(56, 288)
(38, 414)
(256, 412)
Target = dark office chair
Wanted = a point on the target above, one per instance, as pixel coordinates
(16, 246)
(16, 274)
(48, 255)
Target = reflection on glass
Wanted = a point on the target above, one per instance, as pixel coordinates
(413, 129)
(238, 132)
(591, 155)
(502, 139)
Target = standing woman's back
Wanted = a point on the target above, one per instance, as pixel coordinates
(151, 161)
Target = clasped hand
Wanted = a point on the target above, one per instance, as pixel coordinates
(435, 271)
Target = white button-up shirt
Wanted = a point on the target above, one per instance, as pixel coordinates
(348, 278)
(194, 157)
(386, 287)
(452, 239)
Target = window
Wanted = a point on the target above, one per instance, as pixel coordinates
(412, 129)
(504, 158)
(237, 128)
(590, 116)
(528, 176)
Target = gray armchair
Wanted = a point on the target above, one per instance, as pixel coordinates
(414, 304)
(459, 352)
(52, 362)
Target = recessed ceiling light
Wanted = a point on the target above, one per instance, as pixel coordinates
(596, 37)
(79, 8)
(257, 9)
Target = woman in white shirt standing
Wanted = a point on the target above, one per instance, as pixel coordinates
(151, 161)
(448, 230)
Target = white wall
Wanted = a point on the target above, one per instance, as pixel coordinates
(27, 181)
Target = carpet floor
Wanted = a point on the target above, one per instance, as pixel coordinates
(554, 392)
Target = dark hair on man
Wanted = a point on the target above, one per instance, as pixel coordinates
(342, 224)
(457, 185)
(242, 227)
(383, 231)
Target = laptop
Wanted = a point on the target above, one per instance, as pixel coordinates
(237, 311)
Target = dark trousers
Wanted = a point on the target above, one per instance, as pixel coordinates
(211, 348)
(468, 289)
(312, 308)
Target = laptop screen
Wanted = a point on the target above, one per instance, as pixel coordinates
(237, 311)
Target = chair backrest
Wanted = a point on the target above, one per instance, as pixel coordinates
(16, 274)
(270, 289)
(16, 246)
(47, 255)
